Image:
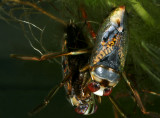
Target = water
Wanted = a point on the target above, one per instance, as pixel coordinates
(24, 84)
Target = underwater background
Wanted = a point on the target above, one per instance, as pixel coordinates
(24, 84)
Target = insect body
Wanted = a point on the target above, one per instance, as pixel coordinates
(77, 91)
(108, 56)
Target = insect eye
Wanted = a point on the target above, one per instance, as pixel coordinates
(81, 109)
(107, 91)
(94, 86)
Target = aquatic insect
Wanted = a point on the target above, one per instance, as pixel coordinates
(108, 59)
(77, 91)
(108, 56)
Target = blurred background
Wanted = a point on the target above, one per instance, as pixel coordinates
(24, 84)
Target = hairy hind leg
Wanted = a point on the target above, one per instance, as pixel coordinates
(117, 107)
(138, 99)
(49, 55)
(50, 95)
(151, 92)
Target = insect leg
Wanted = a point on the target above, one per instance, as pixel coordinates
(53, 55)
(117, 107)
(24, 57)
(115, 113)
(50, 95)
(138, 99)
(85, 68)
(89, 27)
(50, 55)
(151, 92)
(99, 99)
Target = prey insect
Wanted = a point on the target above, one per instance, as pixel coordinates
(75, 82)
(78, 93)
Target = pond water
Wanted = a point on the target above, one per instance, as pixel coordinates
(24, 84)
